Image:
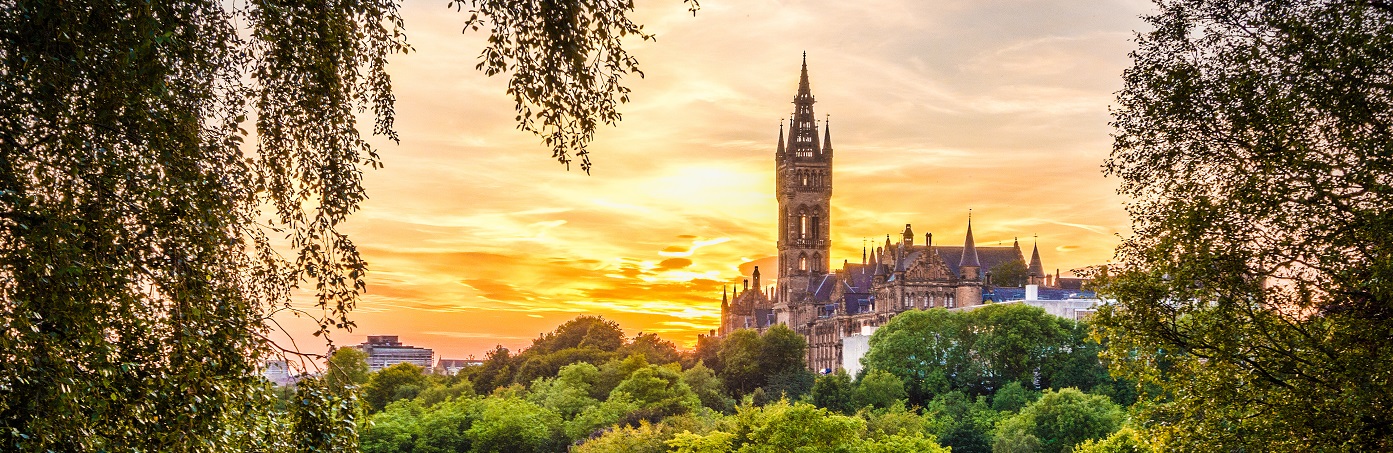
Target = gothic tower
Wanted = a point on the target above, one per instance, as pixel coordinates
(803, 186)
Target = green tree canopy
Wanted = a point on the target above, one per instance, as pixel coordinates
(878, 389)
(347, 366)
(1010, 274)
(834, 392)
(1058, 421)
(1254, 140)
(397, 382)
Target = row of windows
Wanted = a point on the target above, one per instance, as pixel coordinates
(929, 300)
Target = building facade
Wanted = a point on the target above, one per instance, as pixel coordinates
(386, 350)
(827, 306)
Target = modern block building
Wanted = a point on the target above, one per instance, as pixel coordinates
(386, 350)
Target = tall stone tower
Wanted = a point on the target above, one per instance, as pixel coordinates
(803, 168)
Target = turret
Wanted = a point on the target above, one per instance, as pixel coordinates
(756, 277)
(1036, 271)
(908, 236)
(970, 286)
(969, 267)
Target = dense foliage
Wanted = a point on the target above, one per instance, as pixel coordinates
(980, 351)
(1255, 140)
(629, 404)
(146, 246)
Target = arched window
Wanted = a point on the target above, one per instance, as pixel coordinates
(803, 262)
(817, 261)
(803, 226)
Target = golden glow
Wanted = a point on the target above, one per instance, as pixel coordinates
(475, 237)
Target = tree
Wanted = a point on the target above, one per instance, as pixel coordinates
(782, 350)
(659, 392)
(397, 382)
(347, 367)
(740, 354)
(922, 347)
(1012, 343)
(966, 424)
(833, 392)
(140, 276)
(878, 389)
(708, 388)
(1253, 139)
(1011, 274)
(1058, 421)
(657, 350)
(1012, 397)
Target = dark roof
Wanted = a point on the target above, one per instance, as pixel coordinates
(821, 286)
(857, 278)
(1074, 283)
(989, 257)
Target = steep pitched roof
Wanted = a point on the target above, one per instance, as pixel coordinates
(1035, 268)
(988, 257)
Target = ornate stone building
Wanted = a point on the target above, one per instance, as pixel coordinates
(827, 306)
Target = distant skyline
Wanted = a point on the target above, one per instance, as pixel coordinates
(475, 237)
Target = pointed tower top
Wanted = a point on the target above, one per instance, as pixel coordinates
(803, 89)
(723, 295)
(827, 134)
(969, 247)
(781, 137)
(1036, 269)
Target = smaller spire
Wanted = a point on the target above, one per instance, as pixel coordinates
(863, 251)
(781, 137)
(827, 135)
(1036, 270)
(969, 247)
(724, 300)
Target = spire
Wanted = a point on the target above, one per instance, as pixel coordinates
(969, 247)
(827, 135)
(803, 89)
(724, 300)
(1036, 270)
(792, 131)
(863, 251)
(899, 259)
(781, 138)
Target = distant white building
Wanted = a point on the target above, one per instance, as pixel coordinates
(386, 350)
(278, 372)
(453, 366)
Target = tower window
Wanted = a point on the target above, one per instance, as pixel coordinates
(803, 226)
(816, 229)
(803, 263)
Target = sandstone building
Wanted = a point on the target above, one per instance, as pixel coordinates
(826, 305)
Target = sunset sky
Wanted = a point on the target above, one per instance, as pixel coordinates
(475, 237)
